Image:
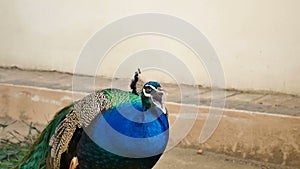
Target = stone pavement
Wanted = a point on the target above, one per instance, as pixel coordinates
(176, 158)
(14, 131)
(179, 158)
(255, 101)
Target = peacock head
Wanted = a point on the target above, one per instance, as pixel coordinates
(153, 95)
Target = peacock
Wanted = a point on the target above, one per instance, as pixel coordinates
(108, 129)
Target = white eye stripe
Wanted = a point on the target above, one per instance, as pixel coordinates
(152, 87)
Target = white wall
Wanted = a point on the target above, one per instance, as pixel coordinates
(258, 41)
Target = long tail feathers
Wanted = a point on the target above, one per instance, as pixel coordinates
(36, 157)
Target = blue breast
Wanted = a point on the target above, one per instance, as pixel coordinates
(128, 131)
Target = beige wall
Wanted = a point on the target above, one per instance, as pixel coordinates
(258, 41)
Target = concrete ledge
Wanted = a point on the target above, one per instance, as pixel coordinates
(37, 105)
(254, 135)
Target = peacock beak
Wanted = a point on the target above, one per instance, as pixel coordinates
(158, 98)
(162, 89)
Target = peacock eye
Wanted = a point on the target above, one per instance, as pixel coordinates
(148, 89)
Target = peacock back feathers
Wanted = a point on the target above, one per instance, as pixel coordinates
(109, 128)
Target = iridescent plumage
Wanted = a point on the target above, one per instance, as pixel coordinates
(110, 128)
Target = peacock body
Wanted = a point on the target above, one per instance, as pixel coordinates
(107, 129)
